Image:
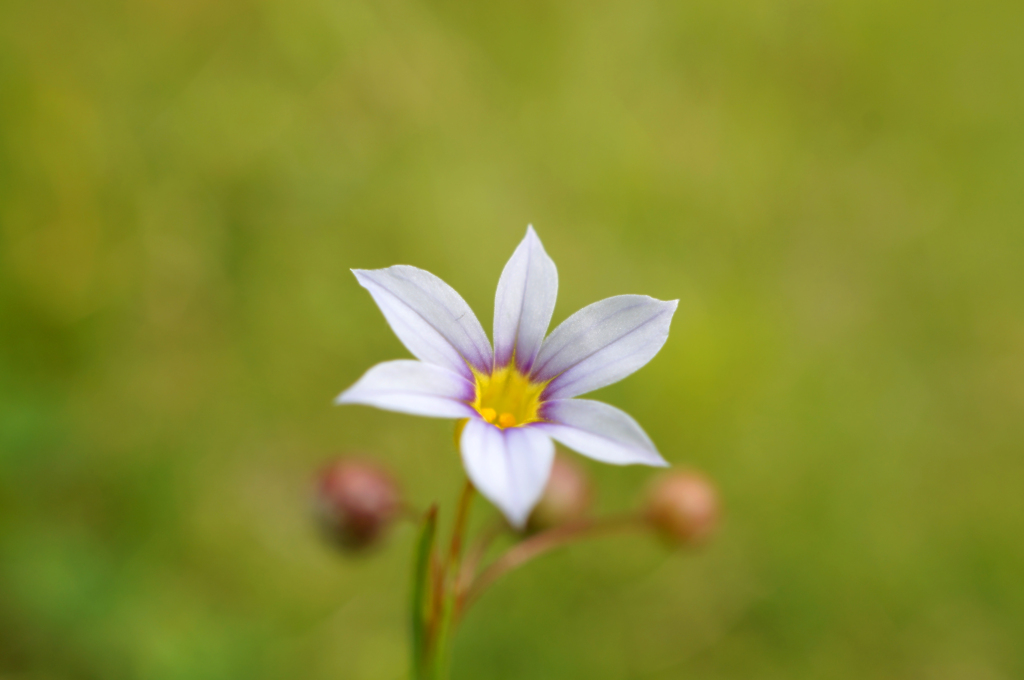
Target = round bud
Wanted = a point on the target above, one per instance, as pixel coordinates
(683, 507)
(356, 501)
(566, 497)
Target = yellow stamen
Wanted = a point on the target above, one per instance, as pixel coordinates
(507, 398)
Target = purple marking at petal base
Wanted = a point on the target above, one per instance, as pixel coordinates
(524, 303)
(429, 317)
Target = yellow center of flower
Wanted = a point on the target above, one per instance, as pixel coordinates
(507, 398)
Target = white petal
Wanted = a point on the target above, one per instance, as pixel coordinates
(599, 431)
(429, 317)
(603, 343)
(524, 303)
(413, 387)
(509, 467)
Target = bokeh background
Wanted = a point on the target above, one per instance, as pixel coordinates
(832, 189)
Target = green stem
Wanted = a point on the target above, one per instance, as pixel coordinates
(450, 582)
(423, 593)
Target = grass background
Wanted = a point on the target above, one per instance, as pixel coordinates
(832, 190)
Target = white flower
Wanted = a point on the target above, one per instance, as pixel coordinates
(519, 397)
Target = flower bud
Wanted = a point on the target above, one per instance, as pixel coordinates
(683, 507)
(566, 497)
(356, 501)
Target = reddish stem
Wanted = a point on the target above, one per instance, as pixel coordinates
(474, 557)
(537, 545)
(459, 530)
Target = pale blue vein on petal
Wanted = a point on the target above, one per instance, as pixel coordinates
(602, 344)
(413, 387)
(599, 431)
(524, 303)
(429, 317)
(508, 467)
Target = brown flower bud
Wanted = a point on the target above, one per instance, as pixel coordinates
(356, 502)
(566, 497)
(683, 507)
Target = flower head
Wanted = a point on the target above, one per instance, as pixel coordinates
(519, 396)
(683, 507)
(356, 501)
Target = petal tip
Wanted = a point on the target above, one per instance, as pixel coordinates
(532, 238)
(350, 395)
(518, 523)
(652, 457)
(668, 307)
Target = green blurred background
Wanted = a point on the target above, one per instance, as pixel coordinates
(832, 189)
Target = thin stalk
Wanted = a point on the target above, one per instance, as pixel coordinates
(423, 592)
(474, 556)
(459, 530)
(447, 584)
(544, 542)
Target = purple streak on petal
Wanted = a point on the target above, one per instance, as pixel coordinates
(599, 431)
(602, 343)
(429, 317)
(413, 387)
(509, 467)
(524, 303)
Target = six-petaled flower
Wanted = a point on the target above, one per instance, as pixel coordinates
(519, 397)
